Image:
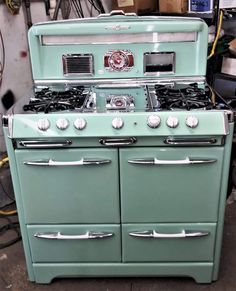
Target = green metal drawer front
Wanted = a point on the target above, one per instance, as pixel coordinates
(75, 243)
(69, 186)
(170, 184)
(168, 242)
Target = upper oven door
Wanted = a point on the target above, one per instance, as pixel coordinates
(69, 186)
(170, 184)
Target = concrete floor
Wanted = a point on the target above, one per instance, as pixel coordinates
(13, 274)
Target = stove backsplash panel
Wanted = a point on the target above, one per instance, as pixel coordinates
(124, 47)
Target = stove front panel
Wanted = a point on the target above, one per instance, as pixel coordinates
(170, 184)
(69, 186)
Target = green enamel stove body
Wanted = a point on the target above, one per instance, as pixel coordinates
(108, 193)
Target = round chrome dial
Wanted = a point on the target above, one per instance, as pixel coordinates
(192, 121)
(43, 124)
(172, 121)
(62, 123)
(118, 60)
(117, 123)
(80, 123)
(153, 121)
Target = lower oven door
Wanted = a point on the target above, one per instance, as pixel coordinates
(69, 186)
(170, 184)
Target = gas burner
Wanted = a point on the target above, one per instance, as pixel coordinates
(188, 97)
(48, 100)
(120, 102)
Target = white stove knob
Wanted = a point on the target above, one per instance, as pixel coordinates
(172, 121)
(153, 121)
(80, 123)
(62, 123)
(43, 124)
(192, 121)
(117, 123)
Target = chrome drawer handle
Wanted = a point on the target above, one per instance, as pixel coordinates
(45, 144)
(154, 161)
(82, 162)
(117, 141)
(60, 236)
(183, 141)
(182, 234)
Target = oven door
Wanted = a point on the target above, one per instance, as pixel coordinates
(69, 186)
(170, 184)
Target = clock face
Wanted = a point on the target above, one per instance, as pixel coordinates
(119, 60)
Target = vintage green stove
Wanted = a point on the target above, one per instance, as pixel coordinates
(120, 155)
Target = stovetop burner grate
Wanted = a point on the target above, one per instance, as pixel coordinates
(159, 97)
(48, 100)
(187, 97)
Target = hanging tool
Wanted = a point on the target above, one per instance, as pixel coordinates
(28, 13)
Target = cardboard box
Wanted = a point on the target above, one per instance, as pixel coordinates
(229, 66)
(173, 6)
(135, 5)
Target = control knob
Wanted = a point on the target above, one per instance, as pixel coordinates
(117, 123)
(62, 123)
(172, 121)
(192, 121)
(80, 123)
(153, 121)
(43, 124)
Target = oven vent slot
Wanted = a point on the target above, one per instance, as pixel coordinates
(78, 64)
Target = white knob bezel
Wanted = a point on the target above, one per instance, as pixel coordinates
(173, 118)
(66, 124)
(46, 122)
(82, 122)
(153, 125)
(117, 123)
(194, 125)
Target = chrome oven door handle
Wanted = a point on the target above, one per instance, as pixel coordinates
(190, 142)
(60, 236)
(117, 141)
(182, 234)
(186, 161)
(82, 162)
(45, 144)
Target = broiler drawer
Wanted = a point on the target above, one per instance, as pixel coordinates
(172, 242)
(75, 243)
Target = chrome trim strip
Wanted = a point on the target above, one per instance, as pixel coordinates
(182, 234)
(149, 37)
(146, 81)
(155, 161)
(139, 18)
(45, 144)
(81, 162)
(117, 141)
(190, 141)
(60, 236)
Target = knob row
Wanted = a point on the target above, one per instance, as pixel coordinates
(61, 123)
(153, 121)
(172, 121)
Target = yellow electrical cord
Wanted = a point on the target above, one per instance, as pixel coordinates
(2, 162)
(217, 35)
(8, 212)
